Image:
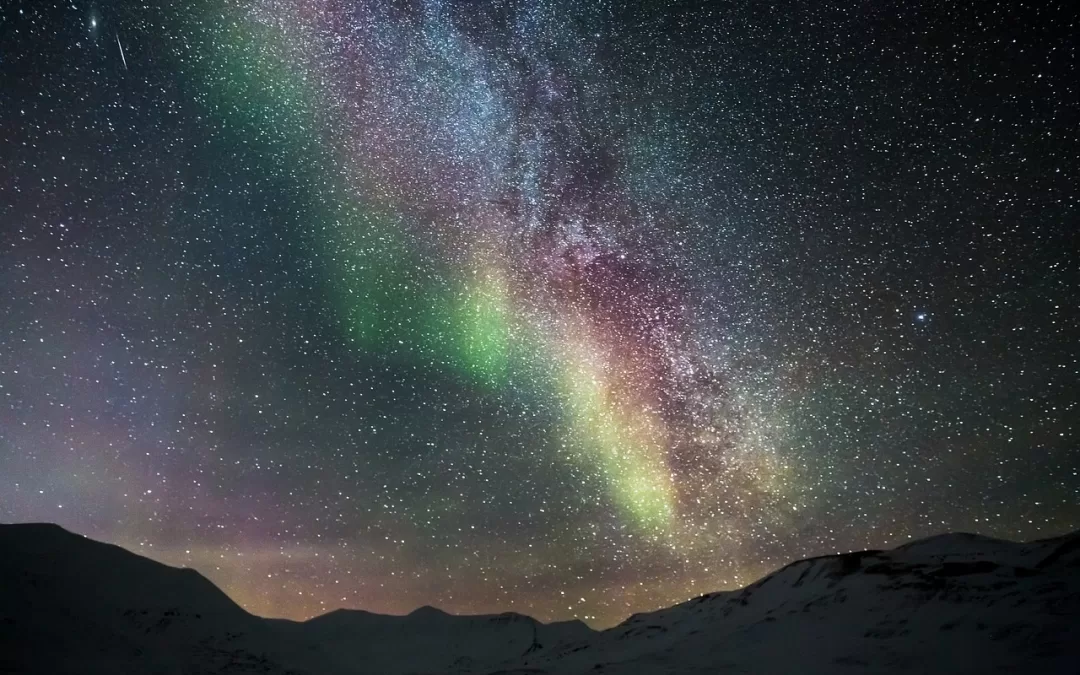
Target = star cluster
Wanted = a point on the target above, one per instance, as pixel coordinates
(574, 309)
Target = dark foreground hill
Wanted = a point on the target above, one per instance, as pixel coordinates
(949, 604)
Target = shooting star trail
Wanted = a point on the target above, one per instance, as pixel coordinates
(122, 57)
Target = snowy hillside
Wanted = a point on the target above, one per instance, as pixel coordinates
(948, 604)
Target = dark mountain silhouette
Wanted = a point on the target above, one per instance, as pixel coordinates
(956, 603)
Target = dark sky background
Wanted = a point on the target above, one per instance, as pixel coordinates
(573, 309)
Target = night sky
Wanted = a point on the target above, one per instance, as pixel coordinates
(568, 308)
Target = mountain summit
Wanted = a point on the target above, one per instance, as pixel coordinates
(954, 603)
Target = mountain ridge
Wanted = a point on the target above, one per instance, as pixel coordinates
(73, 604)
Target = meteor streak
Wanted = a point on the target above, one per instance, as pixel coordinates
(122, 57)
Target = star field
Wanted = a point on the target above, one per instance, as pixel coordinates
(572, 309)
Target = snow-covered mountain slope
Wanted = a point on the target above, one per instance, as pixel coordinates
(955, 603)
(429, 640)
(948, 604)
